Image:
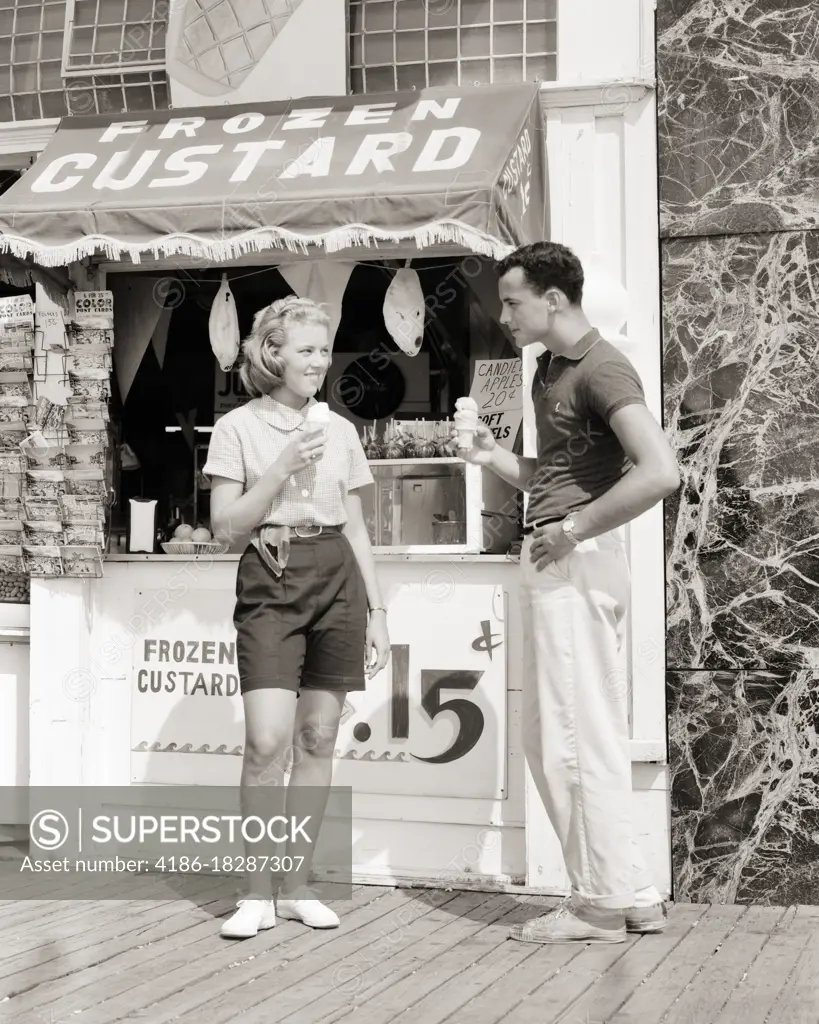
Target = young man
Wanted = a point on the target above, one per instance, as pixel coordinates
(602, 460)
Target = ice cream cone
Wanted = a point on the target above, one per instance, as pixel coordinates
(317, 419)
(466, 422)
(466, 439)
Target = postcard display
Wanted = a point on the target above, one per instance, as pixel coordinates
(54, 458)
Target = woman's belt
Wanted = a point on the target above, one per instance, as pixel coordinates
(273, 541)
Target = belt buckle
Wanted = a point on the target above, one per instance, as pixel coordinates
(315, 526)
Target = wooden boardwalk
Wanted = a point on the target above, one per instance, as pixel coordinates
(401, 955)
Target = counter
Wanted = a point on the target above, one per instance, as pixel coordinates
(138, 684)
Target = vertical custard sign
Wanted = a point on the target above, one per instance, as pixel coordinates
(249, 51)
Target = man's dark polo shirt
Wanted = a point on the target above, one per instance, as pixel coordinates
(578, 454)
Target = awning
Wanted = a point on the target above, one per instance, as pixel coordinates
(461, 166)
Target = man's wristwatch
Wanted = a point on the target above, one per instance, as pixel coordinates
(567, 526)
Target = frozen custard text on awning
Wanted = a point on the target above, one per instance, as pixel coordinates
(457, 166)
(441, 149)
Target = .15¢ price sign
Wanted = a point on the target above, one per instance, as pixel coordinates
(433, 683)
(434, 700)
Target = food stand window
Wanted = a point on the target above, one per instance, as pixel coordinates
(401, 405)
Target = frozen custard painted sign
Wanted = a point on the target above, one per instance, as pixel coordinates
(433, 723)
(185, 677)
(355, 141)
(188, 667)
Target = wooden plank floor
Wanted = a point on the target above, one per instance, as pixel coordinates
(409, 956)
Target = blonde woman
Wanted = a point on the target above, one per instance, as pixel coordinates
(310, 621)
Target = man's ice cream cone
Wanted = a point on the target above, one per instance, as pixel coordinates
(466, 422)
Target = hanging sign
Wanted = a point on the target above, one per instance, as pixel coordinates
(497, 388)
(49, 320)
(93, 309)
(441, 165)
(16, 321)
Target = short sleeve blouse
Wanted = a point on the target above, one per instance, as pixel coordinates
(246, 441)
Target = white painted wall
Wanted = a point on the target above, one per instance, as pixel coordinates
(602, 157)
(81, 706)
(14, 756)
(81, 735)
(14, 710)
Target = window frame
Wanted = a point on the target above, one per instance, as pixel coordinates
(459, 60)
(109, 67)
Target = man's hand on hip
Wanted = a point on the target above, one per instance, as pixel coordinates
(549, 543)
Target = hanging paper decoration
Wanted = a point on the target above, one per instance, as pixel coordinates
(298, 277)
(136, 315)
(224, 326)
(404, 310)
(323, 281)
(482, 278)
(159, 340)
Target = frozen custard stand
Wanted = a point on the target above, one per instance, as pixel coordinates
(432, 750)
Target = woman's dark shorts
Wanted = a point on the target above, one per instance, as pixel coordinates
(306, 628)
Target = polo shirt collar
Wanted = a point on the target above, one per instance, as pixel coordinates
(589, 339)
(279, 415)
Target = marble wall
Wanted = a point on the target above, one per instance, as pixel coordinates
(739, 115)
(739, 185)
(745, 750)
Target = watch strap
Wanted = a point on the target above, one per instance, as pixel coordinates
(567, 525)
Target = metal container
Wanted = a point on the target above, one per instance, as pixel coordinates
(451, 531)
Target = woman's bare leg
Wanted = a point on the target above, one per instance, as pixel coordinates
(318, 714)
(270, 715)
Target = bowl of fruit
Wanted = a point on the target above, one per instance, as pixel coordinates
(189, 541)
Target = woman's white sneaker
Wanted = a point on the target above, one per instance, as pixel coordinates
(252, 917)
(310, 912)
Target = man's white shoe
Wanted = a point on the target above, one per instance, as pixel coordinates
(310, 912)
(252, 917)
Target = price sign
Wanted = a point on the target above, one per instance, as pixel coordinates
(94, 309)
(50, 321)
(434, 723)
(497, 389)
(16, 321)
(16, 308)
(516, 177)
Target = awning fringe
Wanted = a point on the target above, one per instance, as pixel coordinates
(213, 250)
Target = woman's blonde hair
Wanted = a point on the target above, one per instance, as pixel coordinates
(262, 369)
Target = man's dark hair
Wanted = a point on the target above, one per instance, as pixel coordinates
(547, 265)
